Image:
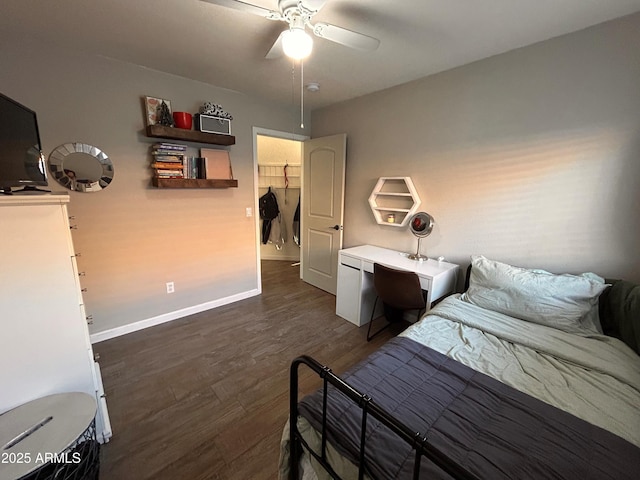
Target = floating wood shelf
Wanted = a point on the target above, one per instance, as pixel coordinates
(194, 183)
(160, 131)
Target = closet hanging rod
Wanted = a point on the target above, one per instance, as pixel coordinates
(279, 164)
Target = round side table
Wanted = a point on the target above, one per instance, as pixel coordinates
(51, 437)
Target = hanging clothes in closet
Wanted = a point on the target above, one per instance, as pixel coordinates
(268, 206)
(273, 228)
(296, 224)
(278, 232)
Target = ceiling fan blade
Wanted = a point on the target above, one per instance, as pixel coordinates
(276, 49)
(345, 37)
(247, 7)
(313, 5)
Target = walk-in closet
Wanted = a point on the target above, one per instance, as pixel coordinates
(279, 170)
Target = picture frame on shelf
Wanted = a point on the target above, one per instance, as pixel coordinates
(152, 106)
(217, 164)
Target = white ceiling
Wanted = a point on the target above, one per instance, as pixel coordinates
(225, 47)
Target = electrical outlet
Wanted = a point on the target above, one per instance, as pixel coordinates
(170, 287)
(248, 212)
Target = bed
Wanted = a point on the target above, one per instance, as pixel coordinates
(525, 375)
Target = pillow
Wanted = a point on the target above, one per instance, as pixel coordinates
(559, 301)
(620, 312)
(591, 321)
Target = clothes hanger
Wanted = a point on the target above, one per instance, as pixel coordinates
(286, 182)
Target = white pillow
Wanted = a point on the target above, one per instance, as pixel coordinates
(591, 321)
(566, 302)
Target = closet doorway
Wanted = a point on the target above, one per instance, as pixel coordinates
(278, 160)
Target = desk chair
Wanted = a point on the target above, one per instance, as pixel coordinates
(399, 291)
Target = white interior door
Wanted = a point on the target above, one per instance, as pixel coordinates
(322, 209)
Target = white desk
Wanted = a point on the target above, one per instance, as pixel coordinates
(356, 294)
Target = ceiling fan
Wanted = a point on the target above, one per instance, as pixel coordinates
(295, 42)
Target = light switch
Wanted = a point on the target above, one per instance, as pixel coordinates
(249, 212)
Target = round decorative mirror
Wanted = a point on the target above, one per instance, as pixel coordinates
(81, 167)
(421, 225)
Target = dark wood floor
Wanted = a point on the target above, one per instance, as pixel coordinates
(206, 397)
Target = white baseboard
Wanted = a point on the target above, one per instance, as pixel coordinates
(286, 258)
(167, 317)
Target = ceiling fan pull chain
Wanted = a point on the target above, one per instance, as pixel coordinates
(301, 94)
(293, 96)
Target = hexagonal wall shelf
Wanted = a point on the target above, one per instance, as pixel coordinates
(393, 201)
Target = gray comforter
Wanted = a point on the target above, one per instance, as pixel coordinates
(493, 430)
(594, 377)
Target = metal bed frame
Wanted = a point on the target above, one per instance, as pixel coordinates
(418, 442)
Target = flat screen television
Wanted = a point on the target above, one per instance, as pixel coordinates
(22, 163)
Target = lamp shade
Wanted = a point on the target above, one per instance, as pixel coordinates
(296, 43)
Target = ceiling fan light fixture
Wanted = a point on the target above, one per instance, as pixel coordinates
(297, 43)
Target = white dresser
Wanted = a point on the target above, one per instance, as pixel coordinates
(356, 295)
(44, 337)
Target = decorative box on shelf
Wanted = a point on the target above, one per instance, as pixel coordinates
(212, 124)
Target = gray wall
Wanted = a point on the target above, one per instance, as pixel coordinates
(530, 157)
(134, 238)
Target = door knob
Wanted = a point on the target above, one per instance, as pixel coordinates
(337, 227)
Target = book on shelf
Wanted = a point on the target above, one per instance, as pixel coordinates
(169, 175)
(168, 152)
(165, 165)
(187, 167)
(169, 146)
(193, 167)
(200, 167)
(162, 151)
(168, 158)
